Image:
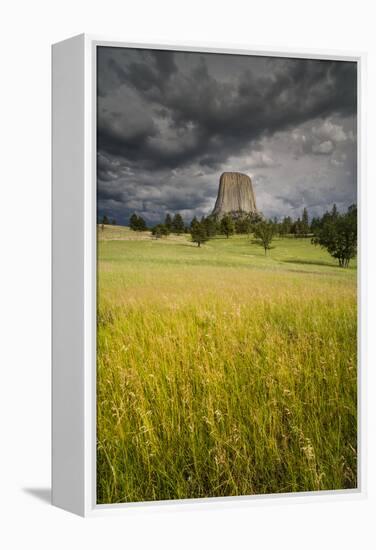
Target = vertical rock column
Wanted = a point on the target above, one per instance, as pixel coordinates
(235, 194)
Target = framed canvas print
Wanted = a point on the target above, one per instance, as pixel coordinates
(208, 287)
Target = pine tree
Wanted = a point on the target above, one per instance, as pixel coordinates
(227, 226)
(160, 230)
(198, 233)
(264, 232)
(210, 226)
(137, 223)
(338, 234)
(141, 224)
(193, 222)
(334, 212)
(242, 225)
(286, 225)
(305, 223)
(133, 222)
(168, 222)
(297, 228)
(177, 225)
(315, 223)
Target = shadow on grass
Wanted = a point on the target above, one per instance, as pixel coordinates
(260, 245)
(310, 262)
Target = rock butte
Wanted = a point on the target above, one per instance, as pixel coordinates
(235, 195)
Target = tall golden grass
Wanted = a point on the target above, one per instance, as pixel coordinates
(223, 373)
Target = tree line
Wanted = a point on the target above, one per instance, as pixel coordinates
(335, 232)
(204, 229)
(228, 225)
(107, 221)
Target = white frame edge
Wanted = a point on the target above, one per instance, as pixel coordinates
(68, 228)
(74, 280)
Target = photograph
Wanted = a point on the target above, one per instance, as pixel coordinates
(227, 311)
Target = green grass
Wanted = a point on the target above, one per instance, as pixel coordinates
(222, 371)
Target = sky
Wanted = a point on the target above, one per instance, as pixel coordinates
(169, 123)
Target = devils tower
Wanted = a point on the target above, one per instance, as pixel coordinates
(235, 195)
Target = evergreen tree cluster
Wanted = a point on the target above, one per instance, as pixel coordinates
(210, 226)
(173, 224)
(298, 228)
(335, 232)
(338, 234)
(107, 221)
(137, 223)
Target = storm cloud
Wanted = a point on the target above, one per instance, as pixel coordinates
(169, 123)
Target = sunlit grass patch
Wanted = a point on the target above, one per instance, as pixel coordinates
(222, 372)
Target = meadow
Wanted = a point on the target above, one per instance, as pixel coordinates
(222, 371)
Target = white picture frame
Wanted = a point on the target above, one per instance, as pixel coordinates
(74, 278)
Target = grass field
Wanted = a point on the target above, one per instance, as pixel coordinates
(222, 371)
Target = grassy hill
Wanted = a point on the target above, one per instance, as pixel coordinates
(222, 371)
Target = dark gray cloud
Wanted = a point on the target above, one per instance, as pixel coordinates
(170, 122)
